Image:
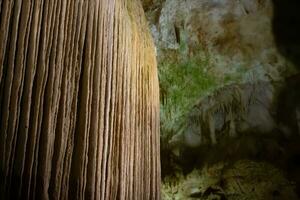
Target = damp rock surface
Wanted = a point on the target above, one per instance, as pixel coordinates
(241, 180)
(225, 69)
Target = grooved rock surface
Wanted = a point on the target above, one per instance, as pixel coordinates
(79, 98)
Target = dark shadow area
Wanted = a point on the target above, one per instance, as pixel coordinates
(286, 30)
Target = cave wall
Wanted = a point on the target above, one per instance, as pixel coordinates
(79, 115)
(229, 72)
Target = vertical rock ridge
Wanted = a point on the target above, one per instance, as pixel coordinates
(79, 113)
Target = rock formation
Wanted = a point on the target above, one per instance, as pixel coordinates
(229, 80)
(231, 111)
(205, 45)
(79, 115)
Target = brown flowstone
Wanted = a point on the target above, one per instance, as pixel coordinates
(79, 96)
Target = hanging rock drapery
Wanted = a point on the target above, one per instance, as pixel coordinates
(79, 115)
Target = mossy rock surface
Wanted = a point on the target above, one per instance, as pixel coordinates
(241, 180)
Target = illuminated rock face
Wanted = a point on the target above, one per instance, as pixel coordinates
(79, 101)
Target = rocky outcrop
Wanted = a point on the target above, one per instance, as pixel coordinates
(211, 44)
(79, 101)
(236, 34)
(261, 109)
(218, 61)
(253, 121)
(231, 111)
(242, 180)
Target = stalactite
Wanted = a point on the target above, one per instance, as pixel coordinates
(79, 115)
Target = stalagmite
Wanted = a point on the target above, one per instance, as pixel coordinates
(79, 115)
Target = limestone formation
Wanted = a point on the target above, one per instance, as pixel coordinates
(79, 115)
(231, 111)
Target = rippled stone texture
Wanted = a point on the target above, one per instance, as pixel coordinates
(79, 98)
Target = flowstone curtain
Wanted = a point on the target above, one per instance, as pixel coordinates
(79, 114)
